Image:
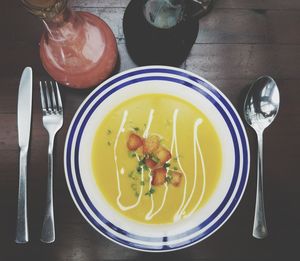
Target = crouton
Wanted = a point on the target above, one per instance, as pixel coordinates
(151, 144)
(150, 163)
(139, 151)
(163, 154)
(176, 178)
(158, 176)
(134, 142)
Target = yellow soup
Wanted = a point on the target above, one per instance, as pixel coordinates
(156, 158)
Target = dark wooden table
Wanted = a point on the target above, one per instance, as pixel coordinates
(237, 42)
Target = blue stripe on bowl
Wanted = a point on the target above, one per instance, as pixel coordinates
(159, 239)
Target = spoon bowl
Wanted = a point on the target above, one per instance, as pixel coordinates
(260, 109)
(262, 103)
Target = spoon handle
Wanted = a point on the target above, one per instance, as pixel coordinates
(259, 227)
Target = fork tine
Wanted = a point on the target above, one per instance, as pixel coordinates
(48, 97)
(60, 108)
(42, 97)
(53, 97)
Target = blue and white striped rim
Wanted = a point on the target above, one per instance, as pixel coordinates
(234, 125)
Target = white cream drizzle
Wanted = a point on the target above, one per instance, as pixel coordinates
(150, 215)
(177, 215)
(174, 146)
(121, 206)
(196, 145)
(145, 135)
(203, 171)
(150, 118)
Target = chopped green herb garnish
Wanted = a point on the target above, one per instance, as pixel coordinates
(133, 186)
(168, 122)
(133, 175)
(142, 183)
(150, 192)
(108, 143)
(108, 132)
(142, 162)
(142, 165)
(175, 168)
(136, 128)
(139, 169)
(177, 158)
(167, 165)
(131, 154)
(168, 179)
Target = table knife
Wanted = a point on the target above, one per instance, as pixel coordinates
(24, 126)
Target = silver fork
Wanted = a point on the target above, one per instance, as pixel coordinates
(52, 121)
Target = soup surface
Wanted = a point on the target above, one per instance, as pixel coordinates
(156, 158)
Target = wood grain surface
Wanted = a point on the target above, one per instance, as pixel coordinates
(237, 42)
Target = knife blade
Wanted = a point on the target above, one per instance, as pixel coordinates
(24, 127)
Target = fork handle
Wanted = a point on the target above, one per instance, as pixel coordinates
(48, 230)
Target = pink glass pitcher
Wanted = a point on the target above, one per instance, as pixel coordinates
(77, 49)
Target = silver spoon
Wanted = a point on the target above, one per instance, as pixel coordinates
(260, 109)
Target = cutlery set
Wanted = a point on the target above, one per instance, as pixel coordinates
(52, 111)
(260, 109)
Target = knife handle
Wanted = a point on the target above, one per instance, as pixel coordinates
(22, 226)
